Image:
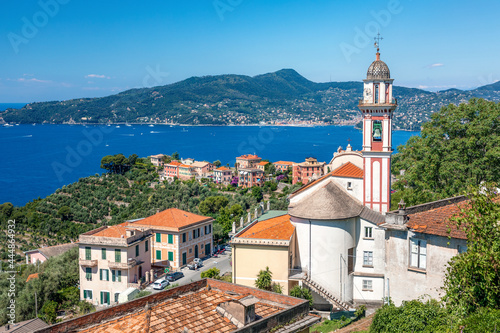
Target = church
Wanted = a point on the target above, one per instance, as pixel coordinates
(339, 237)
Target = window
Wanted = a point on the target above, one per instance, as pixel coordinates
(461, 248)
(368, 232)
(184, 258)
(118, 256)
(158, 254)
(184, 237)
(209, 228)
(104, 274)
(87, 294)
(116, 276)
(116, 297)
(170, 239)
(418, 253)
(349, 185)
(146, 246)
(194, 234)
(88, 273)
(105, 297)
(170, 256)
(367, 285)
(368, 258)
(103, 253)
(88, 253)
(350, 260)
(137, 250)
(158, 238)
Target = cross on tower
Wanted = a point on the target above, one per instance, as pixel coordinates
(377, 41)
(349, 140)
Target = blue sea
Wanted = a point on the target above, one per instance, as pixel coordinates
(38, 159)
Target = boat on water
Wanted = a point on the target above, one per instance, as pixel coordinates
(118, 126)
(128, 125)
(151, 125)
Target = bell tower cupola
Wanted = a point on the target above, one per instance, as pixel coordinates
(377, 107)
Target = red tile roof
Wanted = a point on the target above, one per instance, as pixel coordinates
(275, 228)
(437, 221)
(248, 157)
(114, 231)
(263, 163)
(348, 170)
(32, 276)
(284, 162)
(172, 218)
(222, 168)
(175, 163)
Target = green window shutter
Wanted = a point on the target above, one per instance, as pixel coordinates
(158, 254)
(184, 258)
(103, 252)
(158, 238)
(118, 256)
(102, 296)
(137, 250)
(184, 237)
(84, 294)
(146, 246)
(170, 239)
(113, 275)
(100, 274)
(119, 276)
(88, 254)
(170, 256)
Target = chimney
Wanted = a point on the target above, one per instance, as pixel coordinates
(240, 312)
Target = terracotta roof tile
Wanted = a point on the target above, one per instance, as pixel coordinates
(172, 218)
(32, 276)
(114, 231)
(174, 163)
(263, 163)
(348, 170)
(437, 221)
(248, 157)
(222, 168)
(275, 228)
(284, 162)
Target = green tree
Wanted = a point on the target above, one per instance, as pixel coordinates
(49, 312)
(212, 273)
(257, 193)
(212, 205)
(217, 163)
(264, 279)
(64, 212)
(473, 277)
(458, 148)
(302, 292)
(175, 156)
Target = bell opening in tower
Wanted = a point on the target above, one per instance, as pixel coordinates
(377, 130)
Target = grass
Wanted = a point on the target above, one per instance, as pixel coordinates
(329, 325)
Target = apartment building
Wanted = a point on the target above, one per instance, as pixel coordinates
(248, 177)
(223, 175)
(247, 161)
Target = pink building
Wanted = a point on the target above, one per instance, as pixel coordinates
(223, 175)
(247, 161)
(283, 165)
(309, 170)
(45, 253)
(202, 169)
(248, 177)
(157, 160)
(171, 170)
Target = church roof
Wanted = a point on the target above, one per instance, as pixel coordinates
(378, 70)
(348, 170)
(330, 202)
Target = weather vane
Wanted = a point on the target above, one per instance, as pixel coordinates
(377, 41)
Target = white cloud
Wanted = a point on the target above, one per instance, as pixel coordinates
(22, 79)
(438, 64)
(97, 76)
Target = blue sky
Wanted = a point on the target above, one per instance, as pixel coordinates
(62, 49)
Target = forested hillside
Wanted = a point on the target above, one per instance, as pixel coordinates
(282, 97)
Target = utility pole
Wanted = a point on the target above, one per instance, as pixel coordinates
(36, 307)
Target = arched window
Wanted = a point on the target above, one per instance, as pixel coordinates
(376, 93)
(377, 130)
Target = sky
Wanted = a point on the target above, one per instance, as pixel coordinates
(63, 49)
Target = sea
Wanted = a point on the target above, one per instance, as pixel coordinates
(38, 159)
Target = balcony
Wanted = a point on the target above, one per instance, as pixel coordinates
(124, 265)
(391, 102)
(88, 263)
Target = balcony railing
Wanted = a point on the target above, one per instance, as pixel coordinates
(123, 265)
(393, 101)
(88, 263)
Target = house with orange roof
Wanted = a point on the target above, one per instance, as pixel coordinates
(307, 171)
(223, 175)
(261, 165)
(186, 172)
(171, 170)
(283, 165)
(421, 240)
(179, 237)
(248, 177)
(267, 242)
(202, 169)
(113, 259)
(247, 161)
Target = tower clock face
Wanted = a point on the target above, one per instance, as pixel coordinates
(368, 92)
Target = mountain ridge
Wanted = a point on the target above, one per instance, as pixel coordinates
(283, 96)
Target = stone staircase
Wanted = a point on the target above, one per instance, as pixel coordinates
(326, 294)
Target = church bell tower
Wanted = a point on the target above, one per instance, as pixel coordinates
(377, 107)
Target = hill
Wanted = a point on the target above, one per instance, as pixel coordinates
(283, 97)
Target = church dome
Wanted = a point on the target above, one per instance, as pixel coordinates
(378, 70)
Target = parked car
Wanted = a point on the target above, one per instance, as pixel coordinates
(160, 284)
(197, 262)
(174, 276)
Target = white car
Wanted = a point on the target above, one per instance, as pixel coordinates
(160, 284)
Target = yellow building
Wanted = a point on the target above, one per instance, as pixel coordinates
(178, 237)
(265, 243)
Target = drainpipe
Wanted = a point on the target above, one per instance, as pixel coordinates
(310, 249)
